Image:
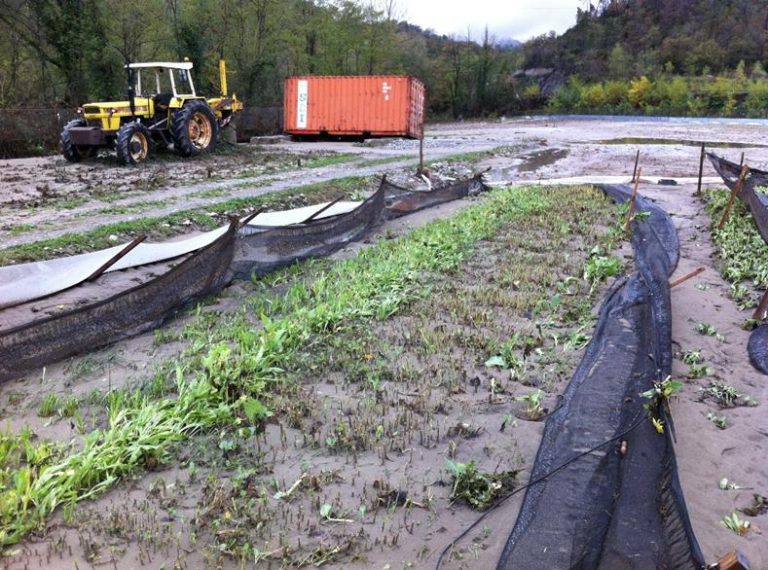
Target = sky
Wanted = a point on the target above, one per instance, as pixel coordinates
(515, 19)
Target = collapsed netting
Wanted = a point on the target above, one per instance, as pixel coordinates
(611, 509)
(402, 201)
(238, 253)
(260, 250)
(757, 202)
(141, 308)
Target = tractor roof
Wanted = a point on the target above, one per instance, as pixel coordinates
(165, 64)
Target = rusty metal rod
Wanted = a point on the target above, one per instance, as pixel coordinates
(633, 199)
(250, 216)
(734, 193)
(117, 257)
(686, 277)
(637, 161)
(321, 210)
(701, 169)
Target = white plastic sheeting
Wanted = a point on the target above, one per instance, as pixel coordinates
(29, 281)
(298, 215)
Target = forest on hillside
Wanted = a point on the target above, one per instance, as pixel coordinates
(689, 57)
(619, 39)
(67, 52)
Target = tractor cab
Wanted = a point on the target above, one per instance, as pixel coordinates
(162, 107)
(162, 82)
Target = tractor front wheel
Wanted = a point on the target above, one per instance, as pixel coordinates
(195, 129)
(132, 144)
(71, 151)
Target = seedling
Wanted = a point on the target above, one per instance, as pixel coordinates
(727, 485)
(577, 339)
(598, 268)
(533, 401)
(720, 421)
(750, 324)
(327, 515)
(724, 394)
(705, 329)
(692, 357)
(698, 371)
(48, 406)
(734, 523)
(658, 400)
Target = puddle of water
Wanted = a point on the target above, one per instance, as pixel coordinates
(708, 144)
(535, 160)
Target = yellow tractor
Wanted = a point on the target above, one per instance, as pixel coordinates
(162, 108)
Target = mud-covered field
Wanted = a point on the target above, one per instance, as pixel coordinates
(376, 422)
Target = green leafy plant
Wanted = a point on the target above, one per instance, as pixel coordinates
(658, 400)
(736, 524)
(724, 394)
(720, 421)
(691, 357)
(698, 371)
(705, 329)
(598, 268)
(533, 400)
(479, 489)
(48, 406)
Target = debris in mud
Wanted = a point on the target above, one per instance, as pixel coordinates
(480, 490)
(759, 506)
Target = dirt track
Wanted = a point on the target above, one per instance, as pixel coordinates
(33, 191)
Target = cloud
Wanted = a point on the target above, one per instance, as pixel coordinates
(516, 19)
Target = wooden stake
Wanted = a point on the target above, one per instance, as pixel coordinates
(117, 257)
(321, 210)
(632, 200)
(421, 150)
(250, 216)
(742, 160)
(637, 161)
(686, 277)
(701, 169)
(736, 190)
(761, 308)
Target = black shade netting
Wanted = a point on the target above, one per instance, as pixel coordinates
(131, 311)
(260, 250)
(609, 509)
(757, 202)
(402, 201)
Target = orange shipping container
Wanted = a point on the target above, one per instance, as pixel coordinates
(375, 105)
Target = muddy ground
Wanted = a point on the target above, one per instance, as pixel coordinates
(153, 521)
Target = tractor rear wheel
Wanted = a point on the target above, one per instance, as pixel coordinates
(71, 151)
(133, 143)
(195, 129)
